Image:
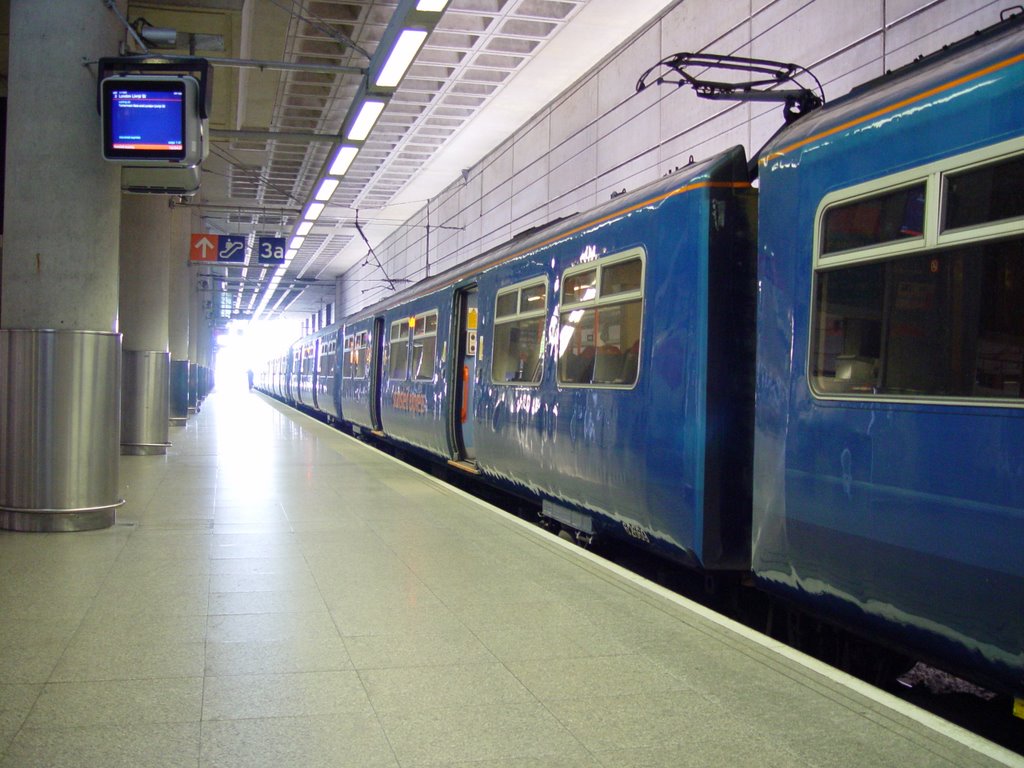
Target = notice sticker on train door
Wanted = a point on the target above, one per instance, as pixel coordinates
(471, 319)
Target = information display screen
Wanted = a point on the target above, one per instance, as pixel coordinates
(146, 120)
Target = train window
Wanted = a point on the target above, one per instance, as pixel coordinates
(991, 193)
(623, 277)
(599, 337)
(517, 356)
(362, 353)
(870, 221)
(940, 320)
(398, 350)
(579, 287)
(946, 323)
(424, 346)
(533, 298)
(506, 305)
(327, 360)
(348, 368)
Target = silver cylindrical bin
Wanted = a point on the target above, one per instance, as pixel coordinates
(179, 393)
(193, 389)
(145, 402)
(60, 404)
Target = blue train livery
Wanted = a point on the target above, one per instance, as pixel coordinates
(815, 381)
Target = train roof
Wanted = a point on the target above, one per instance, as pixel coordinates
(559, 229)
(984, 52)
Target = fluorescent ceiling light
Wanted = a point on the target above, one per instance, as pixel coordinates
(296, 243)
(406, 47)
(289, 255)
(303, 229)
(435, 6)
(313, 211)
(326, 189)
(343, 160)
(365, 120)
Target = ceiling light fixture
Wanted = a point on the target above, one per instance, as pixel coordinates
(326, 189)
(401, 57)
(342, 160)
(431, 6)
(313, 211)
(365, 120)
(303, 229)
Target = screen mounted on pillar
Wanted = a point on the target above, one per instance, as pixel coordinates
(149, 120)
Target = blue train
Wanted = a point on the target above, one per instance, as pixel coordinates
(817, 380)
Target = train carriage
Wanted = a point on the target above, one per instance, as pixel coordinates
(615, 383)
(889, 459)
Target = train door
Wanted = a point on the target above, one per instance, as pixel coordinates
(315, 378)
(467, 349)
(376, 367)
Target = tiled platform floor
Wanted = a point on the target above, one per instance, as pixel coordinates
(276, 594)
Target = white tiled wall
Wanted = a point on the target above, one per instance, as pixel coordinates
(601, 137)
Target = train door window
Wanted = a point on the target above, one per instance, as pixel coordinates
(361, 354)
(328, 358)
(347, 360)
(424, 346)
(944, 322)
(517, 354)
(398, 350)
(600, 322)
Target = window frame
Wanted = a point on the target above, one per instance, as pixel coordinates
(599, 301)
(362, 351)
(424, 334)
(348, 349)
(518, 316)
(935, 239)
(392, 340)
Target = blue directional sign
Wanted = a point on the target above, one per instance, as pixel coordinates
(270, 250)
(231, 249)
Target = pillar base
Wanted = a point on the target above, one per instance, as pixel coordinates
(158, 449)
(56, 521)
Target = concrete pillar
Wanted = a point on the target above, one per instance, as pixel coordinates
(205, 348)
(179, 314)
(145, 297)
(197, 314)
(60, 350)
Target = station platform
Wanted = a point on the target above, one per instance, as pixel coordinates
(275, 593)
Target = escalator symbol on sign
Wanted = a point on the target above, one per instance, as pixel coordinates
(232, 249)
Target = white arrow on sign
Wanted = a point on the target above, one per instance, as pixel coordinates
(205, 245)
